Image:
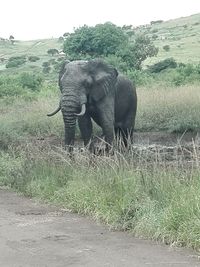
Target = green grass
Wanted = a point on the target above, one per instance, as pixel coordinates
(25, 117)
(148, 200)
(28, 48)
(159, 109)
(182, 35)
(154, 199)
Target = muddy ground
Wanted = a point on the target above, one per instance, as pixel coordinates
(148, 146)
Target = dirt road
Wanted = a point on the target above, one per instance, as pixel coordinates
(37, 235)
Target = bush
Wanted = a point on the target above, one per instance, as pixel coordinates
(46, 69)
(162, 65)
(15, 61)
(140, 77)
(10, 86)
(166, 47)
(52, 51)
(31, 81)
(33, 58)
(46, 64)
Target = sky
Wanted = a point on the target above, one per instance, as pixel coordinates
(39, 19)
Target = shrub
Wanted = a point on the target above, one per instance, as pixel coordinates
(31, 81)
(166, 47)
(162, 65)
(46, 64)
(10, 86)
(46, 69)
(16, 61)
(33, 58)
(140, 77)
(154, 36)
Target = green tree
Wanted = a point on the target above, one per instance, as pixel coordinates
(52, 51)
(101, 40)
(107, 39)
(136, 52)
(11, 39)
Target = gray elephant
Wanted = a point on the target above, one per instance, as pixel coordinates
(94, 90)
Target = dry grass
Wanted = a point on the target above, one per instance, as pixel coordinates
(171, 109)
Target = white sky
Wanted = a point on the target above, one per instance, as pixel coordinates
(34, 19)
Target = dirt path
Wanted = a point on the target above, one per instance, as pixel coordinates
(37, 235)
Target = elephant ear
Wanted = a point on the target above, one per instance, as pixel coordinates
(61, 72)
(104, 79)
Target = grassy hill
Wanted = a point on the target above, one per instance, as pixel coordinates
(182, 35)
(28, 48)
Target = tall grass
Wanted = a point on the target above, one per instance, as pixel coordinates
(152, 199)
(170, 109)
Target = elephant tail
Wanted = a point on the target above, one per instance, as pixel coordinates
(54, 112)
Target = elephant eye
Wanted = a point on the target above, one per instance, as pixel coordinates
(87, 83)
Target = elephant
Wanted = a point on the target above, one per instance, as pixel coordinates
(94, 90)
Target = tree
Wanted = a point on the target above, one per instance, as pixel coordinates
(105, 40)
(11, 39)
(52, 51)
(136, 52)
(101, 40)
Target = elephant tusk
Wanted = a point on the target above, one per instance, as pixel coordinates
(54, 112)
(83, 109)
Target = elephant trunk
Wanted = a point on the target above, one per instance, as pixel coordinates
(70, 106)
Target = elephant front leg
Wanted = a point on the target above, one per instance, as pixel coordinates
(85, 126)
(106, 118)
(69, 138)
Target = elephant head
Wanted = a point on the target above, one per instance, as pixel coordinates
(82, 84)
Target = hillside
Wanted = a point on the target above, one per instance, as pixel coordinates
(28, 48)
(181, 35)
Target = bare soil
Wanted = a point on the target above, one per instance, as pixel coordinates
(34, 235)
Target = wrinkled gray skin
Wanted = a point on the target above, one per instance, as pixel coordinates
(110, 100)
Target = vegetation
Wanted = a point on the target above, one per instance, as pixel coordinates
(31, 81)
(15, 61)
(162, 65)
(33, 58)
(52, 51)
(161, 203)
(107, 39)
